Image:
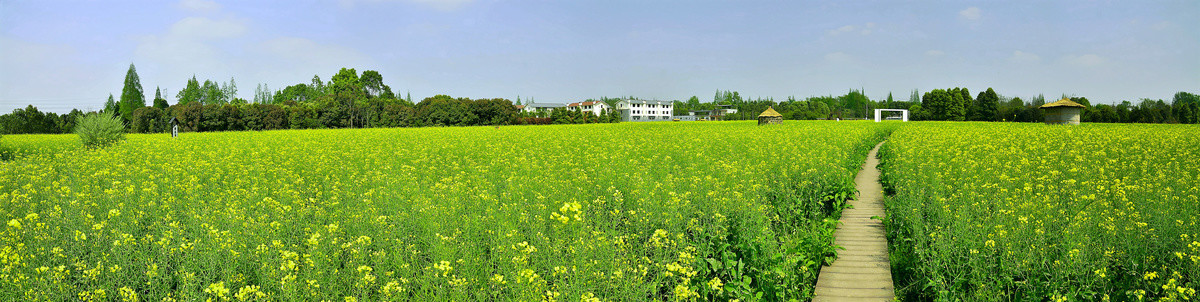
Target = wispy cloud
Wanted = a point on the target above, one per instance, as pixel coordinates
(971, 13)
(841, 30)
(865, 29)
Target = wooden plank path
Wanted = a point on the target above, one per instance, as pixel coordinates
(862, 271)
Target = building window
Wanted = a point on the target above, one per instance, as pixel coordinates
(651, 117)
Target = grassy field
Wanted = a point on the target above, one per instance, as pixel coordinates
(633, 211)
(1030, 212)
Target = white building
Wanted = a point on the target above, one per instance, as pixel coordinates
(540, 107)
(719, 112)
(595, 107)
(645, 111)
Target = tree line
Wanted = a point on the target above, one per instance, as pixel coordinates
(953, 104)
(353, 100)
(348, 100)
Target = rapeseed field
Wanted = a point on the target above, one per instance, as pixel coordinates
(600, 212)
(1032, 212)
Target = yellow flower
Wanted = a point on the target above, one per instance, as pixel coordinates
(218, 290)
(682, 292)
(589, 297)
(716, 284)
(249, 292)
(127, 294)
(1150, 276)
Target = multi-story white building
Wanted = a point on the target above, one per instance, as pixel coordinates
(595, 107)
(645, 111)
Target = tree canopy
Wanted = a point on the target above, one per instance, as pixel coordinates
(132, 96)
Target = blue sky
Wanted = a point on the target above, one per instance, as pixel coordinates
(59, 55)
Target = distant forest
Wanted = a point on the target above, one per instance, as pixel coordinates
(353, 100)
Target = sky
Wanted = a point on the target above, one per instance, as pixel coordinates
(59, 55)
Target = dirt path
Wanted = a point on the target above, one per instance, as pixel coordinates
(862, 271)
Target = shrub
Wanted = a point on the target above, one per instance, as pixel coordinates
(98, 130)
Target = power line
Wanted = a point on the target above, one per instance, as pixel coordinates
(51, 100)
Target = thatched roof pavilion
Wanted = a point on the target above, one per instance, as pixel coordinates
(1062, 112)
(770, 116)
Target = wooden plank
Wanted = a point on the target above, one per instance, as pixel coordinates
(862, 271)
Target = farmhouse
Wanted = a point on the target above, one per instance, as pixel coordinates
(1062, 112)
(540, 107)
(770, 116)
(595, 107)
(645, 111)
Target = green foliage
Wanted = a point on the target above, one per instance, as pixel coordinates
(190, 93)
(150, 120)
(159, 101)
(986, 107)
(98, 130)
(132, 95)
(30, 120)
(211, 93)
(946, 105)
(1187, 107)
(938, 104)
(443, 110)
(111, 106)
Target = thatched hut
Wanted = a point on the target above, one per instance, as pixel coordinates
(1062, 112)
(770, 116)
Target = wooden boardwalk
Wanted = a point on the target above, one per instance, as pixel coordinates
(862, 271)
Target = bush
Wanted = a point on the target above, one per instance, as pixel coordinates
(98, 130)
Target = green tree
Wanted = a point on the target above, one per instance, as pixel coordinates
(441, 110)
(939, 105)
(347, 89)
(132, 96)
(159, 101)
(190, 93)
(372, 81)
(212, 94)
(262, 94)
(111, 106)
(1186, 107)
(986, 106)
(229, 90)
(317, 87)
(299, 93)
(1081, 100)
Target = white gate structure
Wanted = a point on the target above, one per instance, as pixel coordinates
(879, 112)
